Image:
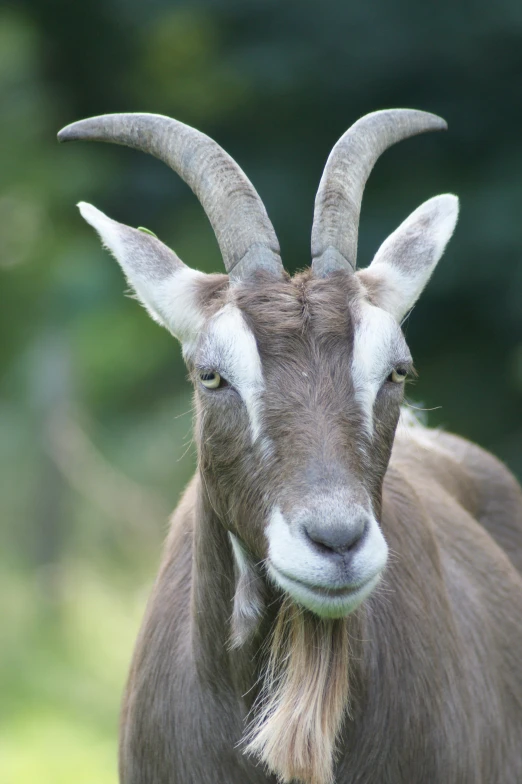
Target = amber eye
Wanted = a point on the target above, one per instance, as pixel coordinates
(398, 375)
(210, 379)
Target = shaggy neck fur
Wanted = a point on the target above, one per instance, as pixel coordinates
(298, 662)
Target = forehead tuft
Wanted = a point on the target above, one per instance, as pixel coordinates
(302, 305)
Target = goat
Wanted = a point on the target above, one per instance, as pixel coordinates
(340, 598)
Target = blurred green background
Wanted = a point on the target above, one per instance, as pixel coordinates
(95, 418)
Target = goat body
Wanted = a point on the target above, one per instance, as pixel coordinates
(340, 598)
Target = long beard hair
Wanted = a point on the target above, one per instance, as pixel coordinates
(304, 697)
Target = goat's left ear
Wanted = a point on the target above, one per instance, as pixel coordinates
(163, 284)
(404, 262)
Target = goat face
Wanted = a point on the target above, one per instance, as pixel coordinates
(298, 388)
(298, 381)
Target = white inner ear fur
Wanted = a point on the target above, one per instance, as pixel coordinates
(405, 261)
(163, 284)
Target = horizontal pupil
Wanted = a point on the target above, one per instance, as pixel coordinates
(207, 376)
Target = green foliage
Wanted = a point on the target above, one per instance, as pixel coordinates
(95, 416)
(62, 668)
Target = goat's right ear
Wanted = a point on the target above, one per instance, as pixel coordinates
(163, 284)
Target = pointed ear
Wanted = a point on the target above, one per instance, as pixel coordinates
(163, 284)
(405, 261)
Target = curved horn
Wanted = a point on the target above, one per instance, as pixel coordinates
(338, 201)
(245, 235)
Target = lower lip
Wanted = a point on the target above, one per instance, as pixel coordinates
(329, 593)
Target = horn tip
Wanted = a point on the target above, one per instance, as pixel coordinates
(69, 133)
(88, 129)
(425, 120)
(439, 123)
(436, 123)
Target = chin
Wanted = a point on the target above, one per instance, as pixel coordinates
(326, 602)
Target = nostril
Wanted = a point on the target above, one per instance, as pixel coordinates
(337, 538)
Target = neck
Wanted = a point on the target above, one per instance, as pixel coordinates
(292, 674)
(217, 656)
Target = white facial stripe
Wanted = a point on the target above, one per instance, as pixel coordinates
(230, 348)
(296, 567)
(378, 344)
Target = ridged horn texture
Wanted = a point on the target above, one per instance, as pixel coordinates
(245, 235)
(338, 201)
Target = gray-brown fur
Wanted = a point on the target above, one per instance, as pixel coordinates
(435, 682)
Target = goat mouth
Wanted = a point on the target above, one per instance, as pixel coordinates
(326, 601)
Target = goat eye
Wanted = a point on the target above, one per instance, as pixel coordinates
(398, 375)
(210, 380)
